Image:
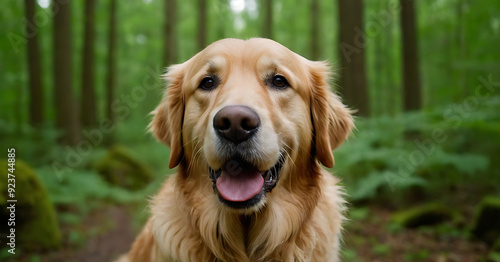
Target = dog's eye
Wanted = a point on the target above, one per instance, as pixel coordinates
(279, 82)
(208, 83)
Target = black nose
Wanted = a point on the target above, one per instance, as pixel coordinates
(236, 123)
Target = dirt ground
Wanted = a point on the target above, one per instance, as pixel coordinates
(113, 236)
(371, 240)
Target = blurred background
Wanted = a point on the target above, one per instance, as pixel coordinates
(422, 170)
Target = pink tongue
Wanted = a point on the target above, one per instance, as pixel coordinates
(239, 185)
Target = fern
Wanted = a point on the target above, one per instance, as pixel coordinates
(403, 152)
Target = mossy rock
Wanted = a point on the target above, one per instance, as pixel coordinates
(425, 215)
(36, 226)
(486, 225)
(496, 245)
(120, 168)
(494, 254)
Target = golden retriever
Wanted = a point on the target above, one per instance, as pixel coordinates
(248, 124)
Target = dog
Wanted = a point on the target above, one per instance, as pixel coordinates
(249, 124)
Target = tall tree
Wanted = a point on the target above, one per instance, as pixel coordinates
(67, 118)
(35, 77)
(88, 107)
(352, 55)
(315, 29)
(268, 20)
(412, 97)
(392, 102)
(202, 24)
(170, 55)
(111, 68)
(462, 47)
(222, 18)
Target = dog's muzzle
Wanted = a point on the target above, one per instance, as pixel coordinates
(239, 183)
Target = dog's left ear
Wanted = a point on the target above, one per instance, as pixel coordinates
(168, 116)
(331, 119)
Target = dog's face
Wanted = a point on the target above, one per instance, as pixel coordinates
(245, 113)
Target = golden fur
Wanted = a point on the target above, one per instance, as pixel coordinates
(300, 220)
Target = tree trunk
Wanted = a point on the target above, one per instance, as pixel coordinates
(67, 118)
(412, 99)
(202, 24)
(89, 112)
(221, 18)
(268, 21)
(315, 30)
(110, 79)
(381, 61)
(352, 55)
(462, 47)
(36, 109)
(170, 55)
(393, 90)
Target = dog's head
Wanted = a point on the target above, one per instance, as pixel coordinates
(241, 112)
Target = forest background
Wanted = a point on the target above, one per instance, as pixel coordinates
(422, 170)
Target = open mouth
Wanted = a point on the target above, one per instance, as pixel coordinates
(241, 184)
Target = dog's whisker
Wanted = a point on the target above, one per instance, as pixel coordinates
(191, 141)
(196, 155)
(288, 154)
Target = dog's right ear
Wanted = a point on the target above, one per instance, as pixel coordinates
(168, 116)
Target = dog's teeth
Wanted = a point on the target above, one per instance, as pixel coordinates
(268, 176)
(214, 174)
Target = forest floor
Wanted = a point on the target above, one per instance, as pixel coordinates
(109, 234)
(371, 239)
(367, 239)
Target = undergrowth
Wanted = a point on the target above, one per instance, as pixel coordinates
(424, 152)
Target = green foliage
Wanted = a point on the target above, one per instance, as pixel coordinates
(494, 257)
(86, 189)
(68, 218)
(76, 238)
(120, 168)
(349, 255)
(419, 255)
(36, 145)
(418, 151)
(369, 186)
(35, 258)
(359, 213)
(382, 250)
(458, 36)
(36, 223)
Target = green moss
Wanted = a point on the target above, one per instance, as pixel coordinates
(496, 246)
(428, 214)
(36, 224)
(120, 168)
(486, 225)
